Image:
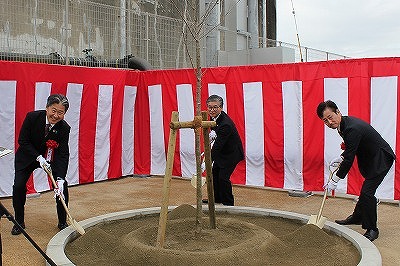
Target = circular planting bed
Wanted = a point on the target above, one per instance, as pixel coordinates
(244, 236)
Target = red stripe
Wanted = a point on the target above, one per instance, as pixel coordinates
(235, 109)
(359, 106)
(142, 128)
(25, 102)
(87, 131)
(273, 126)
(313, 128)
(168, 81)
(115, 163)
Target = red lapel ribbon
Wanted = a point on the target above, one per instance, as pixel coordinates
(51, 145)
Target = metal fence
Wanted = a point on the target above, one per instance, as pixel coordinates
(81, 31)
(43, 30)
(303, 54)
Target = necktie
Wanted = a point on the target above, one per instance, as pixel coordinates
(46, 129)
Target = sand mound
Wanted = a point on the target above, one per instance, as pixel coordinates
(182, 211)
(97, 247)
(237, 240)
(308, 236)
(232, 242)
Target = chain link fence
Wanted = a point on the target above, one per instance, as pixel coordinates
(82, 32)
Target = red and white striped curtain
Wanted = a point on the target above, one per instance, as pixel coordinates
(120, 118)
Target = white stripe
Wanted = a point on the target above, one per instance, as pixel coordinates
(7, 134)
(220, 90)
(128, 129)
(43, 90)
(187, 139)
(383, 119)
(254, 137)
(102, 138)
(335, 89)
(293, 134)
(157, 146)
(73, 117)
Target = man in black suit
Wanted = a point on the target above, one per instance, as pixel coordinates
(226, 152)
(375, 158)
(43, 142)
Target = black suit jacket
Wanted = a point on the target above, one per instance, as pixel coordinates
(227, 150)
(32, 143)
(374, 155)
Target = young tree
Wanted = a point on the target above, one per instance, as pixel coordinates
(194, 29)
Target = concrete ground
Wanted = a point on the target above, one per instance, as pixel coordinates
(133, 193)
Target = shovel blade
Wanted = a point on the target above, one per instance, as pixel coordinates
(318, 222)
(312, 220)
(76, 226)
(193, 181)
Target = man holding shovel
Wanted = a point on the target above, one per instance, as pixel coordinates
(375, 158)
(226, 152)
(43, 142)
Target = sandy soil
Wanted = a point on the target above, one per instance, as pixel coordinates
(134, 193)
(237, 240)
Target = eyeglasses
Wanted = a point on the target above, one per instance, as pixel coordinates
(215, 107)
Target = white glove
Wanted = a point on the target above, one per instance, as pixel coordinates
(212, 135)
(43, 163)
(203, 166)
(59, 191)
(332, 183)
(336, 161)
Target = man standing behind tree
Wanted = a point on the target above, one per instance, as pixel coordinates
(226, 152)
(43, 142)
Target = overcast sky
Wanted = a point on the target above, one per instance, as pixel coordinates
(354, 28)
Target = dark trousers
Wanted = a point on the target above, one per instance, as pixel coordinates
(222, 185)
(366, 209)
(19, 195)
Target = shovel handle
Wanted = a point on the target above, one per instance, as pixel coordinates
(71, 220)
(322, 205)
(326, 193)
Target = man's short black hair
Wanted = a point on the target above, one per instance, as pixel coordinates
(57, 98)
(216, 98)
(324, 105)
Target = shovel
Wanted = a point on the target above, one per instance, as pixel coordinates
(71, 220)
(193, 180)
(320, 220)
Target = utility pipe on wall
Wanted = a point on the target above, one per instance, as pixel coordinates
(252, 22)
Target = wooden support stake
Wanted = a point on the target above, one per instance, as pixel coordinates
(162, 225)
(209, 177)
(192, 124)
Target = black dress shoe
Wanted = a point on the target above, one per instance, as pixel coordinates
(62, 226)
(15, 230)
(372, 234)
(348, 220)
